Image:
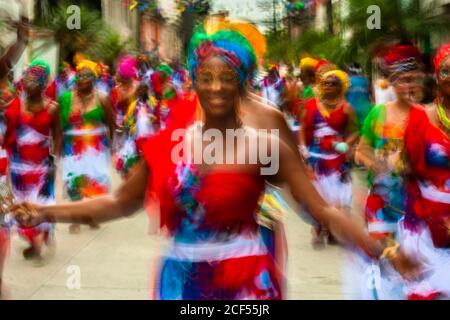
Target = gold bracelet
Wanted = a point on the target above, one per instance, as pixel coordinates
(390, 252)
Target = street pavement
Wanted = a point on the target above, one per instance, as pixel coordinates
(118, 261)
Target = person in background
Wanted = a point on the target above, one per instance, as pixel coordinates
(358, 94)
(88, 126)
(31, 139)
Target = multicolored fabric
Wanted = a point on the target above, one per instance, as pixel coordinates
(402, 58)
(331, 168)
(7, 94)
(139, 125)
(230, 46)
(86, 150)
(63, 84)
(426, 226)
(440, 57)
(40, 72)
(273, 89)
(3, 152)
(28, 141)
(428, 149)
(386, 202)
(31, 165)
(217, 251)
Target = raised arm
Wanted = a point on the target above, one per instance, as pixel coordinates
(9, 59)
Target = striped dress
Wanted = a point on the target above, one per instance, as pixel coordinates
(86, 150)
(28, 141)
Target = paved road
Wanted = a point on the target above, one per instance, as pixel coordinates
(116, 262)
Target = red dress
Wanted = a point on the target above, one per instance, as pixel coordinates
(31, 165)
(426, 227)
(216, 252)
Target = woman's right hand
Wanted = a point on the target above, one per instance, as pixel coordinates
(23, 29)
(27, 214)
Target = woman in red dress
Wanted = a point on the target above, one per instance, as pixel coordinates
(426, 225)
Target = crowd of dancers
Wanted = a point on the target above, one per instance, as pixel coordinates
(228, 240)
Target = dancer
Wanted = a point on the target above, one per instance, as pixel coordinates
(140, 123)
(122, 95)
(65, 81)
(329, 130)
(273, 87)
(208, 209)
(380, 150)
(7, 94)
(164, 91)
(7, 62)
(424, 231)
(31, 132)
(308, 68)
(87, 124)
(358, 94)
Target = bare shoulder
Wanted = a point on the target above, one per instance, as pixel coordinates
(53, 107)
(104, 99)
(257, 104)
(348, 109)
(430, 110)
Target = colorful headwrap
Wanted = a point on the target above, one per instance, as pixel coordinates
(165, 69)
(230, 46)
(88, 64)
(127, 68)
(402, 58)
(341, 75)
(41, 63)
(441, 55)
(322, 67)
(41, 70)
(320, 64)
(308, 63)
(247, 29)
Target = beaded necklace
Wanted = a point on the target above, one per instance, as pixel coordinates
(445, 121)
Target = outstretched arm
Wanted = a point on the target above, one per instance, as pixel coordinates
(294, 173)
(124, 202)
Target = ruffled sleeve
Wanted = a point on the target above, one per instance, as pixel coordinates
(372, 129)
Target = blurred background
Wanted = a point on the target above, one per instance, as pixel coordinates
(332, 29)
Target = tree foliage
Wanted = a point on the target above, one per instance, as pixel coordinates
(401, 20)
